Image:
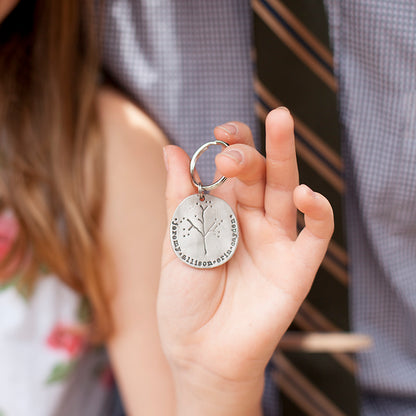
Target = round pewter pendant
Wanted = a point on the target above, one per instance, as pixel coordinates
(204, 234)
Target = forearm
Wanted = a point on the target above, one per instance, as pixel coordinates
(190, 404)
(205, 396)
(142, 377)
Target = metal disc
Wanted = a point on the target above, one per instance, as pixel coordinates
(204, 234)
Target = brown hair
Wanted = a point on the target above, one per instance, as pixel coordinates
(51, 152)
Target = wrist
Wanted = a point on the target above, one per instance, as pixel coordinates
(205, 394)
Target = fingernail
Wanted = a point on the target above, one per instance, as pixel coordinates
(309, 190)
(283, 108)
(165, 158)
(229, 128)
(234, 154)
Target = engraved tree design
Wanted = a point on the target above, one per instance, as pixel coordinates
(202, 229)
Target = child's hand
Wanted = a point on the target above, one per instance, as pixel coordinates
(223, 324)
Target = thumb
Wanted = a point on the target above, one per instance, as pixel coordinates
(179, 184)
(312, 242)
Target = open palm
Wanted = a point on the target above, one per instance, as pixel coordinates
(228, 320)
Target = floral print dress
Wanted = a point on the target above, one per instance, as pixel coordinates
(46, 366)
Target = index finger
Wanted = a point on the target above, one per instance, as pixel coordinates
(234, 132)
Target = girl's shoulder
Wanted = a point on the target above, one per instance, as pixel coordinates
(122, 120)
(134, 167)
(133, 148)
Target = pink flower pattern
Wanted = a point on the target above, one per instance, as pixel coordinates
(71, 339)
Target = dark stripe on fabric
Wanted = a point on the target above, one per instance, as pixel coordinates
(295, 80)
(292, 31)
(309, 398)
(322, 294)
(312, 365)
(318, 25)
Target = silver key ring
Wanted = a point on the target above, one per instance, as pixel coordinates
(192, 165)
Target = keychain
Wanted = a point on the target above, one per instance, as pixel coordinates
(204, 228)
